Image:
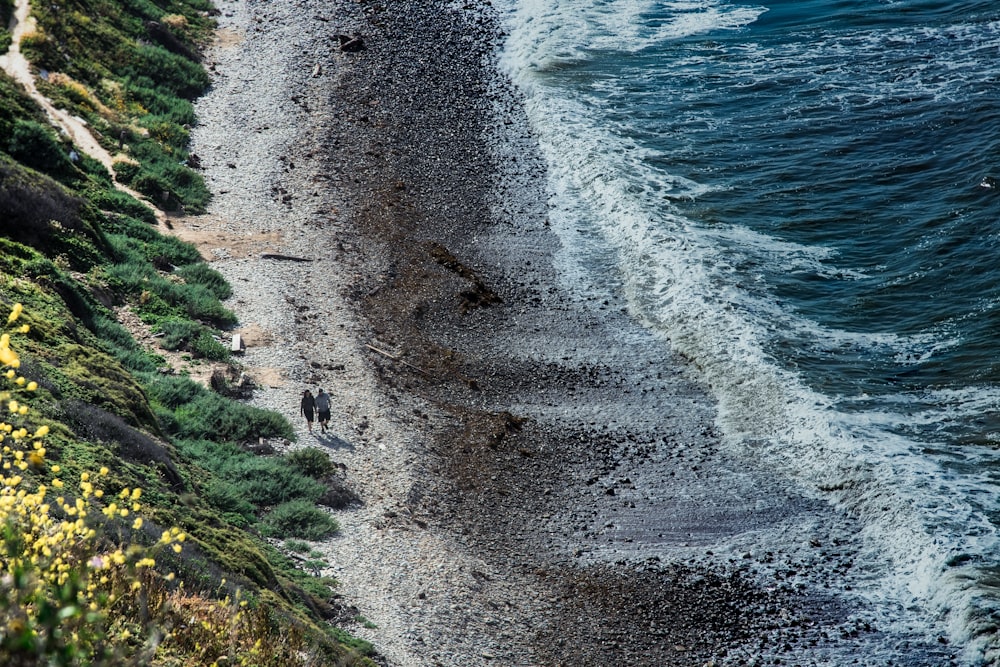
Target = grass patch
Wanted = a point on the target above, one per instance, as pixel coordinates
(192, 337)
(190, 412)
(299, 519)
(141, 273)
(310, 461)
(202, 274)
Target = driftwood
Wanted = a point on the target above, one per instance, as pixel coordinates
(350, 43)
(397, 359)
(289, 258)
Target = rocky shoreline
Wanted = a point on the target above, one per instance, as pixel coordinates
(511, 437)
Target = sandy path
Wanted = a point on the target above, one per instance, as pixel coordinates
(16, 65)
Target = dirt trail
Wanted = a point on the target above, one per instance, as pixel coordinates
(16, 65)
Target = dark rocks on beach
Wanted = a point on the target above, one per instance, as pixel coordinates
(338, 494)
(441, 240)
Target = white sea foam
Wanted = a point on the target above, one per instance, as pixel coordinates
(691, 283)
(551, 34)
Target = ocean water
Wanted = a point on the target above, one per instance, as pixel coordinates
(803, 198)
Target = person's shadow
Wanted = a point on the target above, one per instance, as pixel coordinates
(333, 442)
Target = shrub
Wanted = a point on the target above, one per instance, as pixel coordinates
(126, 171)
(132, 238)
(167, 71)
(116, 201)
(166, 132)
(163, 106)
(162, 174)
(177, 334)
(297, 546)
(266, 482)
(212, 416)
(300, 519)
(200, 273)
(36, 146)
(202, 304)
(226, 498)
(197, 413)
(193, 337)
(205, 346)
(311, 462)
(132, 274)
(173, 392)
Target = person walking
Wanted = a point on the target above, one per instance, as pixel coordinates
(307, 408)
(323, 408)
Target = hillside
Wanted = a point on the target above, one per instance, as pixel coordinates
(122, 390)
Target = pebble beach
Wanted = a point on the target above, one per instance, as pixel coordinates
(516, 447)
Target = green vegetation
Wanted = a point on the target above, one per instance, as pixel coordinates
(6, 12)
(75, 251)
(311, 461)
(301, 519)
(130, 69)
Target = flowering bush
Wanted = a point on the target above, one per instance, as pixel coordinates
(68, 593)
(74, 591)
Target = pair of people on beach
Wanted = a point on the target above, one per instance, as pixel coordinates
(311, 405)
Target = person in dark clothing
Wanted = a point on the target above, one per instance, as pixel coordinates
(323, 408)
(307, 408)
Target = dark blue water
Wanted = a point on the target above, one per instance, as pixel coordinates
(803, 198)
